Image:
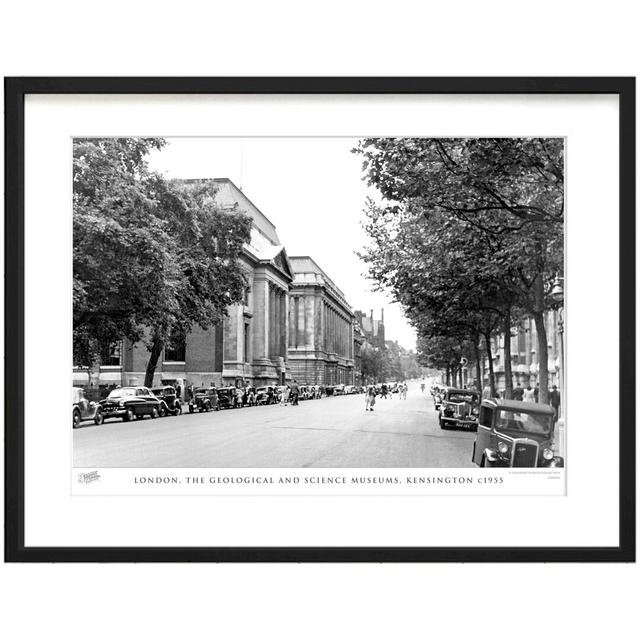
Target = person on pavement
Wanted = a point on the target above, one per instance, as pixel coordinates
(518, 392)
(370, 398)
(529, 395)
(295, 392)
(554, 401)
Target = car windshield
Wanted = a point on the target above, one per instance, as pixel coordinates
(521, 421)
(122, 393)
(462, 397)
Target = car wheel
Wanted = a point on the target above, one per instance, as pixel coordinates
(128, 416)
(154, 412)
(99, 417)
(190, 409)
(178, 409)
(163, 411)
(76, 418)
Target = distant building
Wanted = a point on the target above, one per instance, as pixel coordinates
(525, 361)
(321, 342)
(373, 330)
(249, 345)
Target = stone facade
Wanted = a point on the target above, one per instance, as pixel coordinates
(321, 342)
(249, 345)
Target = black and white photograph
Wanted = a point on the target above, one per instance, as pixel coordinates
(319, 302)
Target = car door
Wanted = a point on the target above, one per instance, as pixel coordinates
(483, 436)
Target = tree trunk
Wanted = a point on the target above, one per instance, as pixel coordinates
(154, 356)
(460, 376)
(478, 365)
(448, 376)
(543, 353)
(492, 380)
(508, 376)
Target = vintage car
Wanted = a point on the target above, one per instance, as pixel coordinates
(266, 395)
(459, 408)
(338, 390)
(305, 392)
(515, 434)
(226, 398)
(84, 409)
(129, 403)
(204, 399)
(169, 403)
(349, 390)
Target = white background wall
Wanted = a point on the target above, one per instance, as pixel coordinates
(330, 38)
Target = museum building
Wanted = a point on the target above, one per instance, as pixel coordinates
(249, 345)
(321, 340)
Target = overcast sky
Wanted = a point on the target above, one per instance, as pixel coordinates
(312, 191)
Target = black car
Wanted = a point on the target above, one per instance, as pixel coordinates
(227, 398)
(169, 403)
(204, 399)
(515, 434)
(129, 403)
(84, 409)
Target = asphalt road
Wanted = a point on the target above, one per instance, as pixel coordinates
(331, 432)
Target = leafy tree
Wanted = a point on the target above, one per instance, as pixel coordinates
(481, 216)
(120, 257)
(375, 363)
(151, 257)
(206, 245)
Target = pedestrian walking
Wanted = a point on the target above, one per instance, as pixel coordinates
(369, 398)
(536, 393)
(422, 386)
(295, 392)
(554, 401)
(405, 388)
(529, 395)
(486, 392)
(518, 392)
(284, 398)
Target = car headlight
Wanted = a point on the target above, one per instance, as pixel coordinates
(503, 447)
(121, 403)
(547, 454)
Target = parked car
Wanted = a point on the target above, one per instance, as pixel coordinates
(338, 390)
(349, 389)
(226, 397)
(169, 402)
(305, 392)
(515, 434)
(84, 409)
(129, 403)
(204, 399)
(265, 395)
(459, 408)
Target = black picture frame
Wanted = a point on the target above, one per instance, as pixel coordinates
(15, 91)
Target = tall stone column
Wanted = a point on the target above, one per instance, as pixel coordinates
(284, 315)
(301, 315)
(276, 324)
(272, 320)
(309, 321)
(260, 324)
